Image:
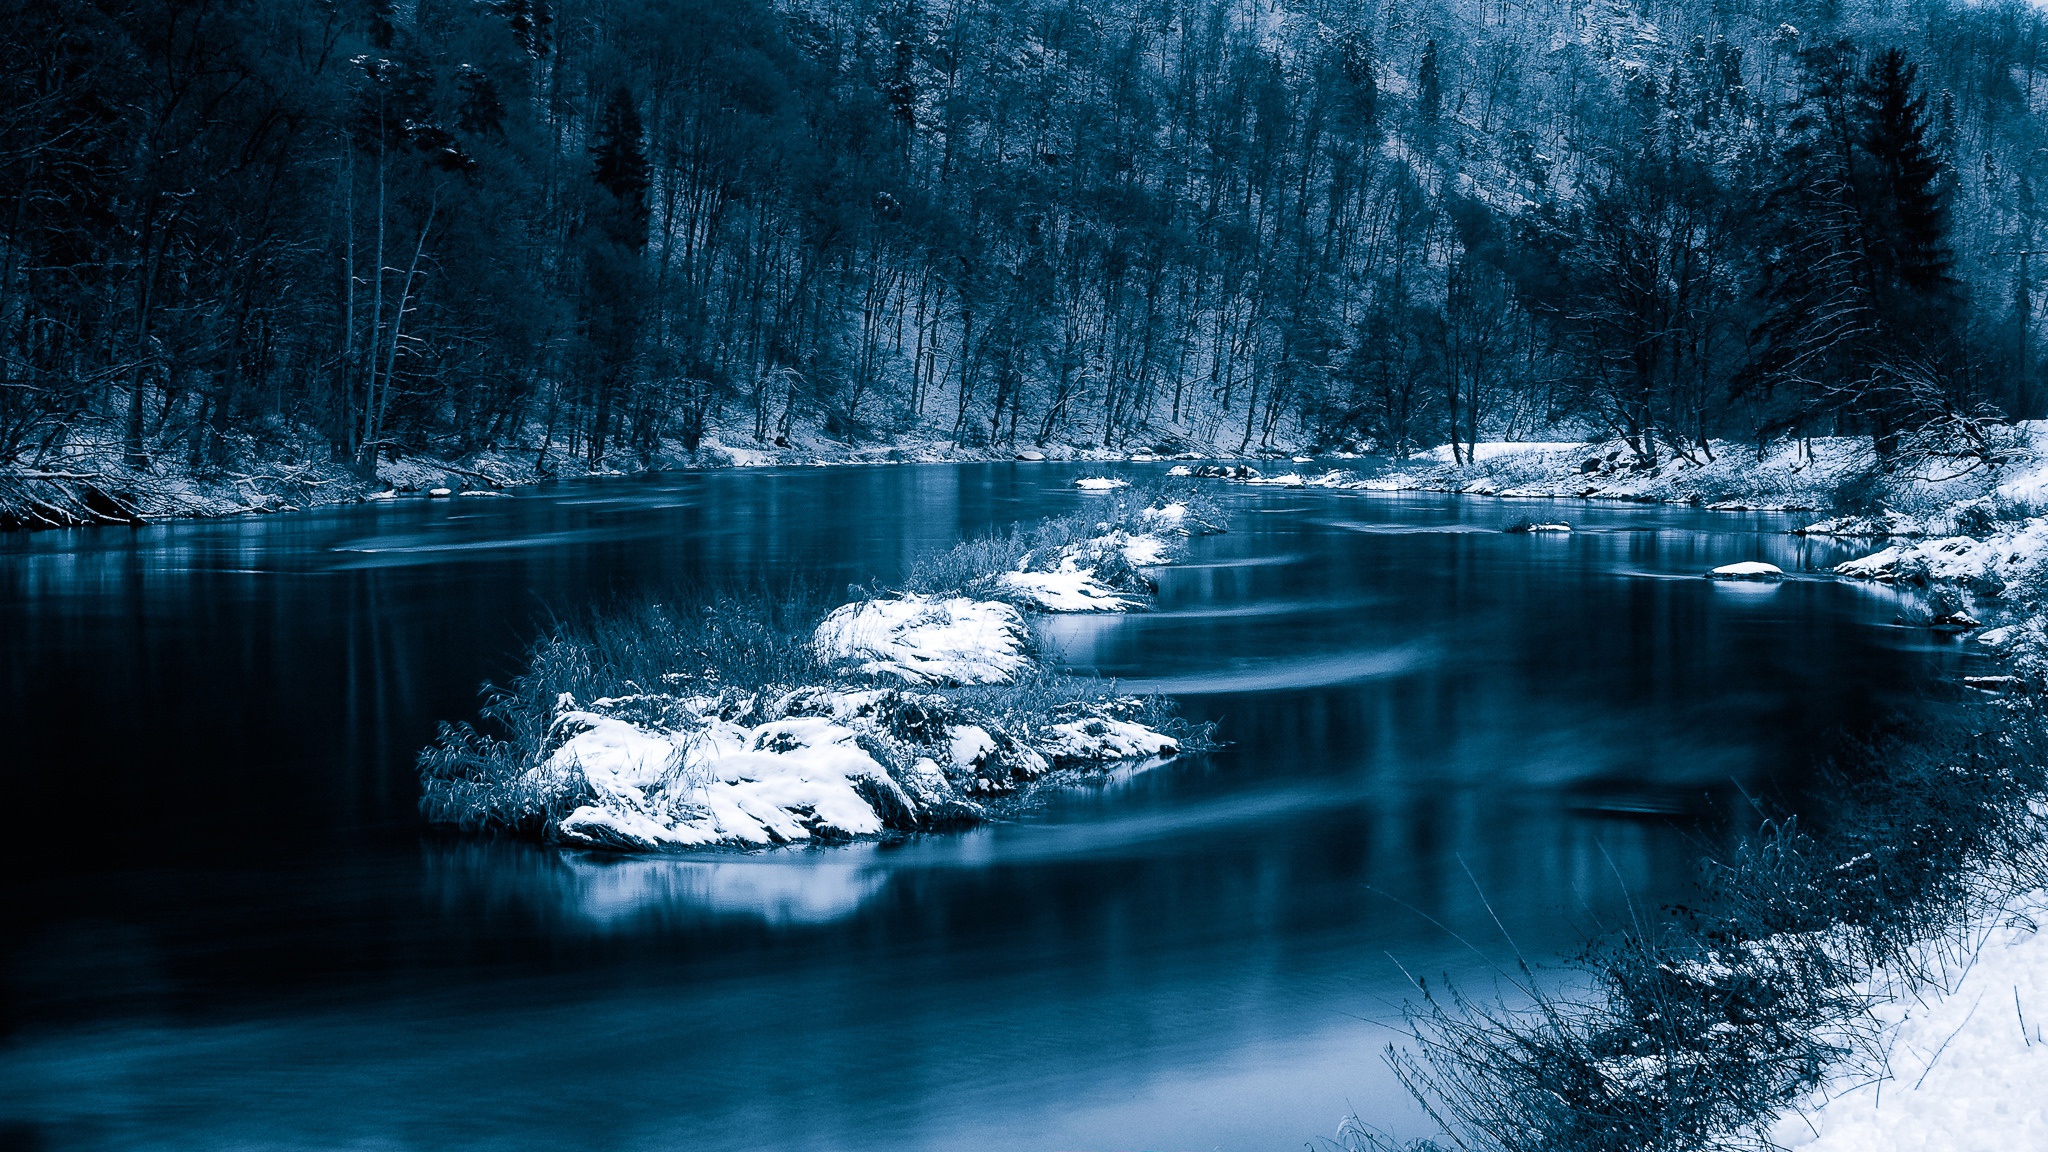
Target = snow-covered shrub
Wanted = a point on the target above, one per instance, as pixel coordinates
(1099, 552)
(1699, 1030)
(768, 720)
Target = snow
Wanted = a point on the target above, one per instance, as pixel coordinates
(1490, 450)
(1967, 1060)
(1097, 739)
(778, 783)
(1145, 551)
(1747, 570)
(1100, 483)
(2000, 555)
(929, 640)
(1792, 474)
(1879, 565)
(813, 764)
(1180, 470)
(1169, 515)
(971, 745)
(1071, 589)
(1072, 579)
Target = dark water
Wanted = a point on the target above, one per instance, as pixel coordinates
(226, 926)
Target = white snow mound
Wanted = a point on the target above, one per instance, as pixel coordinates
(777, 783)
(1748, 570)
(928, 640)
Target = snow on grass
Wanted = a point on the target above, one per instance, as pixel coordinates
(1091, 561)
(1069, 589)
(744, 726)
(928, 640)
(2000, 556)
(661, 772)
(1966, 1063)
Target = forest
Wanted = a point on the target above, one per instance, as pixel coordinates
(609, 231)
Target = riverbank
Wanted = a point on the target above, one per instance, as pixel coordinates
(762, 721)
(1859, 979)
(98, 487)
(1837, 474)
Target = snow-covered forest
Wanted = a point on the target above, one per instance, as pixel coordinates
(605, 231)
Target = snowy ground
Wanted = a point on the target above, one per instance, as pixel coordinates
(1791, 474)
(1966, 1059)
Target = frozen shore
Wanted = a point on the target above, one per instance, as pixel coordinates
(97, 487)
(1787, 475)
(903, 711)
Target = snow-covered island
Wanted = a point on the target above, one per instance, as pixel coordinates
(908, 710)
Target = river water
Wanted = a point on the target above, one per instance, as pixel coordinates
(1447, 744)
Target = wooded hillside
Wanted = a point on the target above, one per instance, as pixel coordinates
(607, 228)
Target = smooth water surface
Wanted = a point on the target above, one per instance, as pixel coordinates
(227, 926)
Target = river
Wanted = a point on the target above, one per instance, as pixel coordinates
(1446, 744)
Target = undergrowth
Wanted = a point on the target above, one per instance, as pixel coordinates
(474, 774)
(1698, 1029)
(974, 566)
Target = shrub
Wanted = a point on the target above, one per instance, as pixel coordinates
(1697, 1031)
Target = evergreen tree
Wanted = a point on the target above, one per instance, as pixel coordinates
(1429, 84)
(620, 169)
(614, 289)
(1903, 197)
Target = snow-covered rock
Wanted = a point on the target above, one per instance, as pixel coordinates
(1101, 483)
(929, 640)
(813, 764)
(1957, 558)
(1747, 570)
(1879, 565)
(1097, 739)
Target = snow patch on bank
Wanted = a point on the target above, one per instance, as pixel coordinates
(2001, 556)
(1967, 1060)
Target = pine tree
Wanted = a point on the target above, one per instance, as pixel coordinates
(620, 168)
(1903, 197)
(1429, 85)
(614, 289)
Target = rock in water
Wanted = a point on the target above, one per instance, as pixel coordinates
(1747, 570)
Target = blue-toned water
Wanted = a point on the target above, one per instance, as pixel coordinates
(227, 926)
